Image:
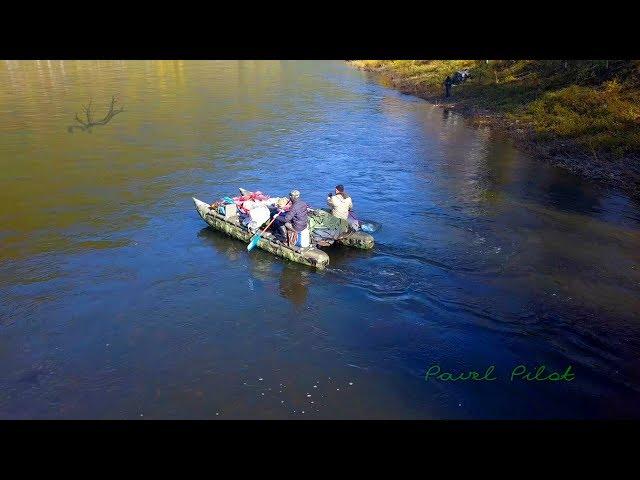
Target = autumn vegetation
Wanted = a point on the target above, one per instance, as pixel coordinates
(587, 106)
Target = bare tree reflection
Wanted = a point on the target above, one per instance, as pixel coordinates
(90, 122)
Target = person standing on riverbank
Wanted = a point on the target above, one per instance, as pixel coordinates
(447, 86)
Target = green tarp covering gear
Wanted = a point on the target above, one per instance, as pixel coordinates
(325, 228)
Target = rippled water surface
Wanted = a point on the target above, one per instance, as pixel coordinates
(117, 302)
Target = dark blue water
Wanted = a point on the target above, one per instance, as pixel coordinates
(118, 302)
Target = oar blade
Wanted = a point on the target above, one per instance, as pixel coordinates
(369, 227)
(254, 241)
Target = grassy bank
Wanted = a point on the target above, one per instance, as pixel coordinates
(584, 114)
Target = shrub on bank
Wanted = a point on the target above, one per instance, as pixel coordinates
(594, 104)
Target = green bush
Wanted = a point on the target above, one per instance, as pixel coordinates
(593, 103)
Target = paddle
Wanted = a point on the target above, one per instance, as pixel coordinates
(256, 238)
(365, 225)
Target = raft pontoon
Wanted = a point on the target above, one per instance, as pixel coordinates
(311, 256)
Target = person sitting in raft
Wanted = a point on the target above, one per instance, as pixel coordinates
(340, 203)
(294, 225)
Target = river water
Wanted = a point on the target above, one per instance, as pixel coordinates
(118, 302)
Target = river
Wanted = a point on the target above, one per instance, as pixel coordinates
(118, 302)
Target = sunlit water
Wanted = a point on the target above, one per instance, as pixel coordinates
(117, 302)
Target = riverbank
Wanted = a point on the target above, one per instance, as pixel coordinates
(583, 116)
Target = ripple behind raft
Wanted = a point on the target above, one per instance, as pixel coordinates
(380, 280)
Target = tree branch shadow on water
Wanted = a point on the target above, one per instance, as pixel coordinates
(90, 122)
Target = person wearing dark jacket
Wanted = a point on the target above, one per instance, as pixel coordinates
(296, 219)
(447, 86)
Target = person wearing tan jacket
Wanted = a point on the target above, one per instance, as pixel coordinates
(340, 203)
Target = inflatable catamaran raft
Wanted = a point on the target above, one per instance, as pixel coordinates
(324, 229)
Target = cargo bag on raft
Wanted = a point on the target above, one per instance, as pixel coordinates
(325, 229)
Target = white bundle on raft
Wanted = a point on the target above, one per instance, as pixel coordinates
(259, 213)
